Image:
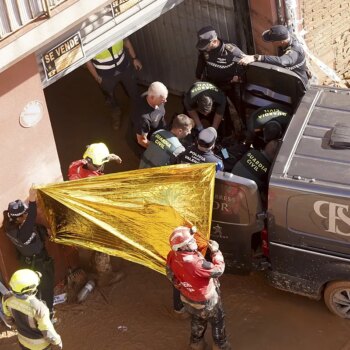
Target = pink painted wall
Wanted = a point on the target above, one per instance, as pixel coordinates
(28, 155)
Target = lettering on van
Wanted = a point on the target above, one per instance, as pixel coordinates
(63, 55)
(335, 213)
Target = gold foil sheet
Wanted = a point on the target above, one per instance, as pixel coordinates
(131, 214)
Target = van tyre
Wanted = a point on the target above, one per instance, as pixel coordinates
(337, 298)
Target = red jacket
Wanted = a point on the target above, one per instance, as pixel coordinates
(78, 171)
(193, 275)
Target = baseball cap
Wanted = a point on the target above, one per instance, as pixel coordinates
(207, 137)
(276, 33)
(205, 36)
(16, 208)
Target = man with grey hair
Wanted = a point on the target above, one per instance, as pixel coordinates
(149, 112)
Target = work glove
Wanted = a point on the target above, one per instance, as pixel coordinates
(58, 346)
(213, 246)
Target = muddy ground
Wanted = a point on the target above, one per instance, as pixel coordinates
(135, 314)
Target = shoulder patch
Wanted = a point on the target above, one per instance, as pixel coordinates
(229, 47)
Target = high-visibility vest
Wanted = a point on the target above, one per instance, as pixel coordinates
(110, 58)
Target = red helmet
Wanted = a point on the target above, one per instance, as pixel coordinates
(180, 237)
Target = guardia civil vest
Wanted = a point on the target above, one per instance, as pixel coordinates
(255, 166)
(112, 58)
(164, 146)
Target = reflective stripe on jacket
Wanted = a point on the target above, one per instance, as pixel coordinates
(110, 58)
(193, 275)
(32, 319)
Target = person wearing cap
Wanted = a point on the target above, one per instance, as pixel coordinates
(165, 145)
(29, 239)
(291, 54)
(92, 164)
(202, 152)
(149, 112)
(217, 63)
(111, 67)
(205, 101)
(197, 281)
(21, 307)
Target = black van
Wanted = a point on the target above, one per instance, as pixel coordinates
(304, 228)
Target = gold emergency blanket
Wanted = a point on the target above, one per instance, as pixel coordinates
(131, 214)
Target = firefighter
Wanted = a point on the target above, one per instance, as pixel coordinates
(197, 280)
(92, 164)
(94, 158)
(29, 239)
(29, 314)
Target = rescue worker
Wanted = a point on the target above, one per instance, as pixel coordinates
(113, 66)
(205, 101)
(256, 164)
(218, 64)
(29, 239)
(202, 152)
(29, 314)
(164, 145)
(92, 164)
(94, 158)
(197, 281)
(149, 112)
(268, 123)
(291, 54)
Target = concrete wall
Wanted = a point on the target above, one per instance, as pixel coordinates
(28, 155)
(327, 24)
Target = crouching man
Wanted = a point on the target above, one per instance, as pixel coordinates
(197, 280)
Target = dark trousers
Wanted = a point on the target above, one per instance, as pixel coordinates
(177, 303)
(110, 80)
(199, 323)
(45, 265)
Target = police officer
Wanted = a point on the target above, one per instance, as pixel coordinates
(217, 63)
(202, 152)
(113, 66)
(205, 101)
(30, 315)
(29, 238)
(165, 145)
(291, 54)
(255, 165)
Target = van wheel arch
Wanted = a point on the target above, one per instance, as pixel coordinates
(337, 298)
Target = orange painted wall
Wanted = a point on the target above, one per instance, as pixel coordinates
(263, 15)
(28, 155)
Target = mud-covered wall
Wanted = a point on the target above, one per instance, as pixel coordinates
(327, 26)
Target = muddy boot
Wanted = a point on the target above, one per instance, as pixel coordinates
(226, 346)
(181, 314)
(201, 345)
(116, 118)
